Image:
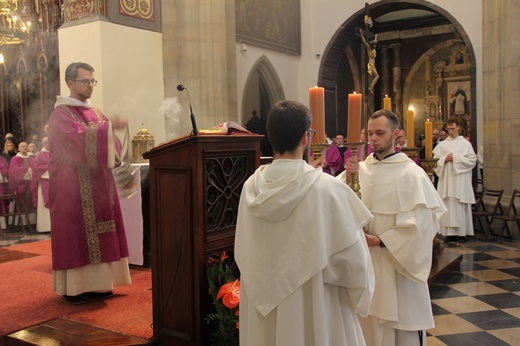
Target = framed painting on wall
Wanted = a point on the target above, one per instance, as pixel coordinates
(459, 94)
(272, 24)
(459, 103)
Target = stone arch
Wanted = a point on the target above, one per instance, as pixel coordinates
(261, 91)
(336, 64)
(263, 71)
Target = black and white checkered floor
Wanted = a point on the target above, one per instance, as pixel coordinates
(477, 304)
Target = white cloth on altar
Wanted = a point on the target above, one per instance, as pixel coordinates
(406, 211)
(131, 210)
(305, 267)
(455, 185)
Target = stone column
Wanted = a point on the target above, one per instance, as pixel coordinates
(200, 53)
(127, 61)
(386, 79)
(501, 87)
(397, 88)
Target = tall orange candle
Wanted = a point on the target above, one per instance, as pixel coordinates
(387, 103)
(410, 135)
(428, 138)
(354, 117)
(317, 107)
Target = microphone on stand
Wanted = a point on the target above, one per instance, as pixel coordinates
(181, 87)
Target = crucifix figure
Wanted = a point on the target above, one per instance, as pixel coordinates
(371, 49)
(371, 65)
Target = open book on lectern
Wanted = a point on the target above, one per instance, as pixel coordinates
(227, 128)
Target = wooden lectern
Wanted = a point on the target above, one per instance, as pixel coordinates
(195, 186)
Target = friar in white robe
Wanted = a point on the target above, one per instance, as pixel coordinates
(305, 268)
(406, 210)
(454, 169)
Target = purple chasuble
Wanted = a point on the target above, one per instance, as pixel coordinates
(17, 170)
(86, 221)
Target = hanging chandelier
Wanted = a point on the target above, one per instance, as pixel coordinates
(12, 28)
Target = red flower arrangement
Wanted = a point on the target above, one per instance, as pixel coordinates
(230, 294)
(224, 289)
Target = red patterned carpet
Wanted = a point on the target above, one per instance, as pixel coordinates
(27, 298)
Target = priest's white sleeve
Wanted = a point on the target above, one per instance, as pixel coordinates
(352, 269)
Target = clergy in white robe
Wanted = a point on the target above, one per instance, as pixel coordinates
(454, 169)
(406, 210)
(305, 269)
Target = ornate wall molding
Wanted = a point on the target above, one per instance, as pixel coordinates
(78, 9)
(140, 9)
(140, 14)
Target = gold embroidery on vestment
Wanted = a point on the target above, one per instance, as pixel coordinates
(89, 216)
(91, 147)
(92, 228)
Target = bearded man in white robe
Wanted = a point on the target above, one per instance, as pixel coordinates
(406, 211)
(305, 268)
(454, 169)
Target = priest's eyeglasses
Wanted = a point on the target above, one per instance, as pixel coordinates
(86, 82)
(311, 133)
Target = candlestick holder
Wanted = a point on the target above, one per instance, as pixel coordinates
(354, 181)
(317, 149)
(429, 165)
(412, 153)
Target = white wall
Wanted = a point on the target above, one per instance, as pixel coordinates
(128, 66)
(320, 19)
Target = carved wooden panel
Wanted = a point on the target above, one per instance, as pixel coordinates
(225, 177)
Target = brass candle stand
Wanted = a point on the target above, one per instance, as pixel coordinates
(429, 165)
(354, 181)
(317, 149)
(412, 153)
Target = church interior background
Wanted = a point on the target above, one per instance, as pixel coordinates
(238, 58)
(427, 55)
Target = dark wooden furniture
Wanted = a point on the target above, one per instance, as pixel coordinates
(511, 214)
(195, 186)
(18, 208)
(492, 197)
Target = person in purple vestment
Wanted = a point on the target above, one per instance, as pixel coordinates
(40, 166)
(40, 186)
(401, 142)
(334, 156)
(20, 171)
(89, 247)
(362, 152)
(20, 178)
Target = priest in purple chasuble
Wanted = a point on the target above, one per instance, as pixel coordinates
(40, 187)
(20, 172)
(334, 157)
(89, 247)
